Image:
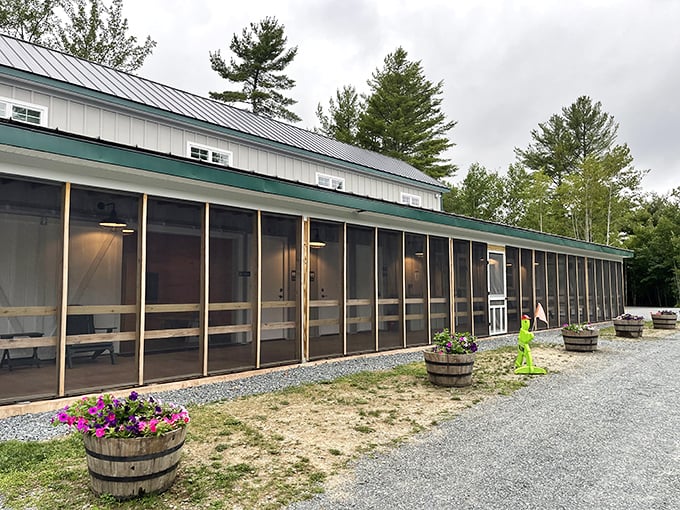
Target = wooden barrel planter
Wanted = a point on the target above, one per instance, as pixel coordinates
(664, 320)
(581, 341)
(631, 328)
(449, 369)
(128, 468)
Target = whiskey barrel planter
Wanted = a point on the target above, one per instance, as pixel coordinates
(580, 341)
(664, 320)
(449, 369)
(128, 468)
(631, 328)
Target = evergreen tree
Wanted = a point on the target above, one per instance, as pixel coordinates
(592, 177)
(562, 144)
(31, 20)
(342, 120)
(98, 32)
(263, 56)
(403, 116)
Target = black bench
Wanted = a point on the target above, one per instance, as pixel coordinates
(8, 360)
(84, 325)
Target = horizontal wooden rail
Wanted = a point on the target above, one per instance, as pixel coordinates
(278, 325)
(27, 311)
(217, 307)
(100, 309)
(279, 304)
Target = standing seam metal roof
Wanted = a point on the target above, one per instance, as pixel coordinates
(41, 61)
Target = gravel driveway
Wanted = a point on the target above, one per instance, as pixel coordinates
(603, 437)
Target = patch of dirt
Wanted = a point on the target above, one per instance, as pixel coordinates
(294, 440)
(330, 424)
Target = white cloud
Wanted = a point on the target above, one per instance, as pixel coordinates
(506, 64)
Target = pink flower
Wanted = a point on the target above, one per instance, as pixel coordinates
(82, 425)
(100, 432)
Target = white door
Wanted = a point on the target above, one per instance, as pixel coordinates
(497, 293)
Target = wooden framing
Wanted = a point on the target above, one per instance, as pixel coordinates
(62, 306)
(609, 275)
(141, 287)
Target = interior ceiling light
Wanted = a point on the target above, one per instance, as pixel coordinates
(315, 241)
(112, 220)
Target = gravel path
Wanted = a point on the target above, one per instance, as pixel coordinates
(36, 426)
(604, 438)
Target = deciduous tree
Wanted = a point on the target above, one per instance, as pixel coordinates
(653, 233)
(99, 32)
(480, 195)
(31, 20)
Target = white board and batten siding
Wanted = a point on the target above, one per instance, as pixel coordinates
(87, 117)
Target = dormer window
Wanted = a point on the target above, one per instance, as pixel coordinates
(209, 154)
(330, 182)
(408, 199)
(23, 112)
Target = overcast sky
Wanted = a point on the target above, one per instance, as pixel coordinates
(506, 64)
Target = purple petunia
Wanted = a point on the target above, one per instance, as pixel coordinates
(135, 416)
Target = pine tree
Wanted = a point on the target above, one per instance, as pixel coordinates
(403, 116)
(263, 56)
(342, 121)
(561, 145)
(592, 177)
(98, 32)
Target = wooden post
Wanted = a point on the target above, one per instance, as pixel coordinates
(204, 314)
(141, 287)
(257, 322)
(62, 305)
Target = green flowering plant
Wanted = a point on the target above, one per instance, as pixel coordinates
(445, 342)
(133, 416)
(578, 327)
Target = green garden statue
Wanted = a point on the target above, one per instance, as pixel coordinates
(524, 351)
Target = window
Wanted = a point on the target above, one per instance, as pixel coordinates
(408, 199)
(330, 182)
(198, 153)
(209, 154)
(23, 112)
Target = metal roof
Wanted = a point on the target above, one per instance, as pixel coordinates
(41, 61)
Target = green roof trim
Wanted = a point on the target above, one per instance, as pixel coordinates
(246, 137)
(49, 141)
